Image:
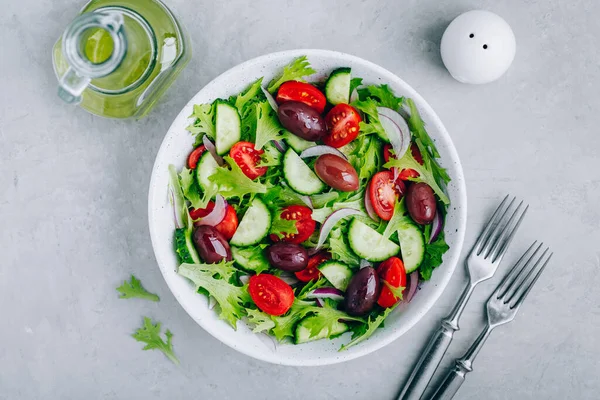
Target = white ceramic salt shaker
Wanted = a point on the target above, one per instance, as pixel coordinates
(478, 47)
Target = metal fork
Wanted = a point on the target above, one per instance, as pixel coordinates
(482, 262)
(501, 309)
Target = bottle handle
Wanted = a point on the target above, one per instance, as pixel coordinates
(81, 70)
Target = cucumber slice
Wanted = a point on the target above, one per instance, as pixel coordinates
(250, 259)
(184, 246)
(337, 273)
(299, 176)
(303, 335)
(205, 168)
(228, 127)
(297, 143)
(412, 246)
(337, 87)
(255, 225)
(369, 244)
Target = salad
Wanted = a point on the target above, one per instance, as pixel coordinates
(309, 209)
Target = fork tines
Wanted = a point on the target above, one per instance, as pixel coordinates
(500, 230)
(517, 284)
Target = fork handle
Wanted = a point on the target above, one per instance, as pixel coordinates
(427, 364)
(451, 383)
(464, 365)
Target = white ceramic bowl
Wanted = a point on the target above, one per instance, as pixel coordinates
(177, 145)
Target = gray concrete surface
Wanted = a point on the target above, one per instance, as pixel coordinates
(74, 187)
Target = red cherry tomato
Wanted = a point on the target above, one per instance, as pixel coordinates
(304, 223)
(194, 156)
(383, 192)
(302, 92)
(247, 157)
(405, 174)
(391, 271)
(342, 125)
(227, 227)
(311, 272)
(271, 294)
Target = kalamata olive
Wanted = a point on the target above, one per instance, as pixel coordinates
(337, 172)
(362, 292)
(420, 203)
(287, 256)
(211, 244)
(302, 120)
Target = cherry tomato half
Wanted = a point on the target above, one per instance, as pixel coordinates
(194, 156)
(302, 92)
(342, 125)
(304, 223)
(383, 192)
(227, 227)
(271, 294)
(311, 272)
(247, 157)
(391, 271)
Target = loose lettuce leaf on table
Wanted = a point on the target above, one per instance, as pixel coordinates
(150, 334)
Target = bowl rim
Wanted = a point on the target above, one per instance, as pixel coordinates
(368, 346)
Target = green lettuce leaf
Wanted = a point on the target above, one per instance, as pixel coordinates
(204, 123)
(150, 334)
(324, 318)
(270, 158)
(433, 256)
(281, 196)
(355, 83)
(134, 288)
(399, 219)
(260, 321)
(364, 331)
(324, 199)
(294, 71)
(372, 123)
(214, 279)
(267, 125)
(282, 227)
(246, 96)
(191, 191)
(382, 94)
(425, 174)
(426, 145)
(233, 182)
(284, 325)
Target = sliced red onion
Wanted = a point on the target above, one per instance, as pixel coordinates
(212, 302)
(306, 200)
(396, 129)
(270, 99)
(326, 293)
(353, 96)
(217, 214)
(245, 279)
(312, 251)
(319, 150)
(436, 226)
(413, 281)
(331, 221)
(212, 150)
(280, 145)
(176, 215)
(364, 263)
(319, 302)
(369, 208)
